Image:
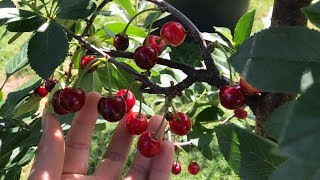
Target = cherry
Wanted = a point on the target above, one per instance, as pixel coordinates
(145, 57)
(121, 42)
(147, 145)
(231, 97)
(136, 123)
(240, 113)
(170, 116)
(85, 60)
(193, 168)
(176, 168)
(173, 32)
(112, 108)
(130, 98)
(156, 42)
(182, 125)
(247, 88)
(41, 91)
(49, 84)
(55, 102)
(72, 100)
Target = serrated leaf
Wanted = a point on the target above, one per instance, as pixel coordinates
(249, 155)
(244, 27)
(18, 94)
(91, 82)
(209, 114)
(117, 27)
(9, 15)
(313, 13)
(127, 5)
(301, 137)
(26, 25)
(47, 50)
(18, 62)
(289, 51)
(75, 9)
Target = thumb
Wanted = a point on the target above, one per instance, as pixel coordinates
(49, 158)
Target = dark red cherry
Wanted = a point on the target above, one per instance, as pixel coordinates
(240, 113)
(170, 116)
(85, 60)
(121, 42)
(147, 145)
(55, 102)
(182, 125)
(112, 108)
(145, 57)
(49, 84)
(156, 42)
(41, 91)
(231, 97)
(193, 168)
(173, 32)
(176, 168)
(136, 123)
(72, 100)
(130, 98)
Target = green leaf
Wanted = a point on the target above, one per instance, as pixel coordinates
(248, 154)
(301, 137)
(26, 25)
(31, 105)
(9, 15)
(313, 13)
(20, 158)
(1, 95)
(277, 121)
(15, 37)
(18, 94)
(154, 16)
(296, 170)
(225, 32)
(209, 114)
(291, 52)
(127, 5)
(47, 50)
(91, 82)
(117, 27)
(7, 4)
(75, 9)
(243, 28)
(19, 61)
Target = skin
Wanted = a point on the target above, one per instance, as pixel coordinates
(59, 158)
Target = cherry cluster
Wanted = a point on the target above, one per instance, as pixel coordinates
(42, 91)
(193, 168)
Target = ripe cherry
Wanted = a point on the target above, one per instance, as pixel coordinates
(41, 91)
(182, 125)
(121, 42)
(231, 97)
(173, 32)
(193, 168)
(129, 98)
(112, 108)
(85, 60)
(55, 102)
(170, 116)
(72, 100)
(176, 168)
(240, 113)
(247, 88)
(145, 57)
(136, 123)
(49, 84)
(156, 42)
(147, 145)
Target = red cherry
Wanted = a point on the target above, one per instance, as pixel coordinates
(85, 60)
(193, 168)
(130, 98)
(136, 123)
(247, 88)
(182, 125)
(72, 100)
(156, 42)
(121, 42)
(173, 32)
(49, 84)
(231, 97)
(113, 108)
(145, 57)
(176, 168)
(147, 145)
(55, 102)
(41, 91)
(240, 113)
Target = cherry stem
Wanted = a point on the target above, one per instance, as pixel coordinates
(129, 87)
(149, 31)
(109, 79)
(5, 81)
(174, 111)
(135, 16)
(140, 109)
(162, 121)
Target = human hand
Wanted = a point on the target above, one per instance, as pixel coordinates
(59, 158)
